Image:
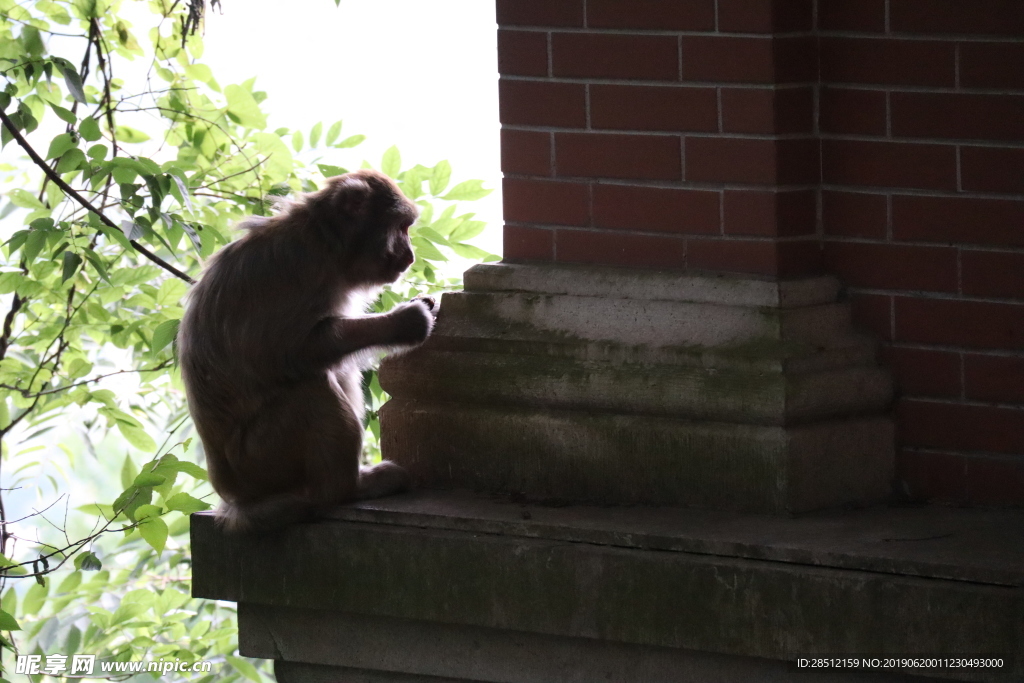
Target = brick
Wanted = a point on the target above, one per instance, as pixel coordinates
(872, 312)
(948, 115)
(889, 164)
(996, 17)
(994, 274)
(736, 256)
(852, 112)
(765, 16)
(640, 107)
(967, 324)
(743, 160)
(522, 243)
(525, 151)
(992, 65)
(844, 15)
(767, 110)
(958, 219)
(616, 249)
(546, 201)
(733, 59)
(603, 55)
(995, 480)
(887, 61)
(539, 12)
(893, 266)
(599, 155)
(770, 214)
(542, 103)
(932, 477)
(849, 214)
(656, 209)
(959, 427)
(999, 379)
(991, 169)
(692, 15)
(728, 59)
(798, 258)
(924, 372)
(522, 53)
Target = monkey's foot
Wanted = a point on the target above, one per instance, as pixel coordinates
(382, 479)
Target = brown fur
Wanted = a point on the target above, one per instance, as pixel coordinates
(271, 348)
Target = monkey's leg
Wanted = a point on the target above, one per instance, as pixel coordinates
(381, 479)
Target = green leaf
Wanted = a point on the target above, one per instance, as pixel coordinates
(467, 230)
(244, 108)
(331, 171)
(164, 334)
(71, 79)
(59, 145)
(71, 160)
(148, 479)
(350, 141)
(98, 152)
(469, 251)
(137, 437)
(245, 668)
(391, 164)
(440, 176)
(183, 502)
(34, 599)
(333, 133)
(88, 562)
(70, 266)
(128, 471)
(192, 469)
(73, 580)
(8, 622)
(126, 134)
(297, 141)
(154, 531)
(65, 114)
(89, 129)
(25, 199)
(314, 134)
(466, 191)
(279, 157)
(426, 250)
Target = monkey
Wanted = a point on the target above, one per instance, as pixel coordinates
(273, 343)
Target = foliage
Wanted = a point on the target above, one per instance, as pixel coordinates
(124, 191)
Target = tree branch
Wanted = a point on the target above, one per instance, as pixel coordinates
(71, 192)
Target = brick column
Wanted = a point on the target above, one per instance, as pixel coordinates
(656, 134)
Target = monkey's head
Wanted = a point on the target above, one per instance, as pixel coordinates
(366, 218)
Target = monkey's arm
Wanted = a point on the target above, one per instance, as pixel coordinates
(336, 337)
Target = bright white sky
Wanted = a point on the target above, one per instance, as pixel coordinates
(420, 74)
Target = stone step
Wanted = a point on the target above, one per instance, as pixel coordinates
(711, 393)
(651, 285)
(639, 322)
(604, 457)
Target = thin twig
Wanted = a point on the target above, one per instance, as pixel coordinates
(71, 192)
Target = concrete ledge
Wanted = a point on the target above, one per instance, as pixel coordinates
(383, 650)
(934, 582)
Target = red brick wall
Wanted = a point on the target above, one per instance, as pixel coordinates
(882, 140)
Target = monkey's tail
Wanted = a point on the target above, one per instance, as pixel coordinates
(271, 514)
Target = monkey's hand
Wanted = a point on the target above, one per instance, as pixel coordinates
(430, 303)
(412, 323)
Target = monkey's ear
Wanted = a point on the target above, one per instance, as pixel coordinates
(349, 195)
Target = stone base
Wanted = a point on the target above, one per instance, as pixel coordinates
(443, 587)
(610, 385)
